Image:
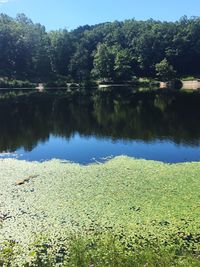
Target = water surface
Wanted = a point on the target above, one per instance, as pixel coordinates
(82, 128)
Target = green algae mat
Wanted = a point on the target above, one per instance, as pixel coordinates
(125, 212)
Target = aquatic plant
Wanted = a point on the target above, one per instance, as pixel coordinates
(125, 212)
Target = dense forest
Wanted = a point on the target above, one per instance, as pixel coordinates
(115, 51)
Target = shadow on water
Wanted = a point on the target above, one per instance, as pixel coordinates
(29, 118)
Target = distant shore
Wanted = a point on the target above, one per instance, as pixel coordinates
(186, 84)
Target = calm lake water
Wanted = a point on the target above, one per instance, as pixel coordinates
(158, 126)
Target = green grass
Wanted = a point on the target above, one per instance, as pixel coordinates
(189, 78)
(125, 212)
(13, 83)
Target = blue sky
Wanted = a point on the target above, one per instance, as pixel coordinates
(55, 14)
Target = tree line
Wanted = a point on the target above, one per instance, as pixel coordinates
(112, 51)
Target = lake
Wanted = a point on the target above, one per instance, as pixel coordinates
(86, 128)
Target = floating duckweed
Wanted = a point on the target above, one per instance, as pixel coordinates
(123, 208)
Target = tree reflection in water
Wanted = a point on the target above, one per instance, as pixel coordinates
(29, 118)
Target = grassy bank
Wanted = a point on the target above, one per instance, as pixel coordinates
(12, 83)
(125, 212)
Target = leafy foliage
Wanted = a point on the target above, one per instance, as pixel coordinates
(165, 71)
(8, 83)
(117, 50)
(104, 62)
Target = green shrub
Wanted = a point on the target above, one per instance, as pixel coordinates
(7, 83)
